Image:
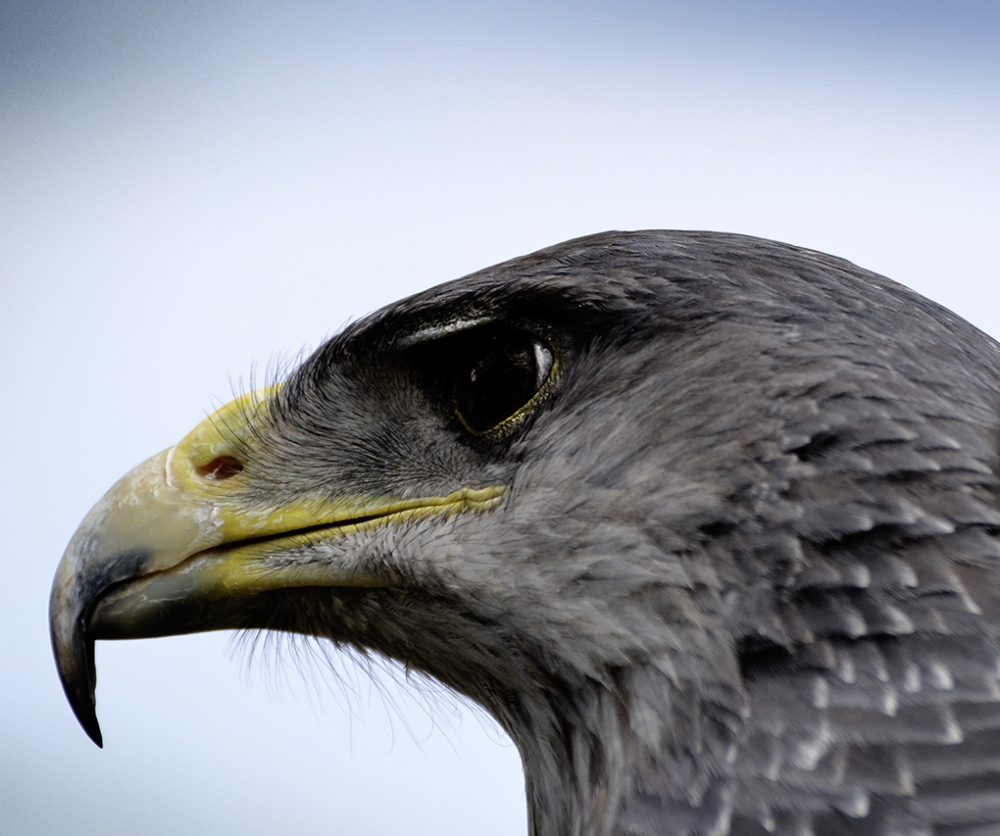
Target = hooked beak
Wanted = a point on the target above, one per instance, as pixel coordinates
(179, 545)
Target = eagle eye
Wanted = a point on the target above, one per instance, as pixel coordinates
(502, 370)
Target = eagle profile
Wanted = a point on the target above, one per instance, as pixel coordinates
(708, 523)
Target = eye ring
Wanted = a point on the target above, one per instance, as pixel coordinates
(502, 378)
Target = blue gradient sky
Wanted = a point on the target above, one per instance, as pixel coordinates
(193, 193)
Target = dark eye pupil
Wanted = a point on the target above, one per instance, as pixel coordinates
(502, 373)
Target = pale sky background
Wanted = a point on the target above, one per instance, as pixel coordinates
(193, 193)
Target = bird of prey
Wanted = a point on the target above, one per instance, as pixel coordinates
(708, 523)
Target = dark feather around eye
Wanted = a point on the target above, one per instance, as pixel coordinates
(481, 375)
(500, 373)
(497, 373)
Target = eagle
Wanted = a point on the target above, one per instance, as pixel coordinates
(708, 523)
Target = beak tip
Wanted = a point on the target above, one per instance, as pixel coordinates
(74, 655)
(81, 699)
(94, 733)
(86, 714)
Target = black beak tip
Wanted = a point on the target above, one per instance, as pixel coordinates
(86, 714)
(94, 733)
(75, 662)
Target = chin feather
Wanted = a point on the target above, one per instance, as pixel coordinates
(355, 680)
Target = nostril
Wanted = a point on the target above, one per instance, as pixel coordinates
(223, 467)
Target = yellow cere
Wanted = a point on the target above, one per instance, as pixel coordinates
(175, 509)
(228, 431)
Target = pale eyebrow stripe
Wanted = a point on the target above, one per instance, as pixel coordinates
(435, 332)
